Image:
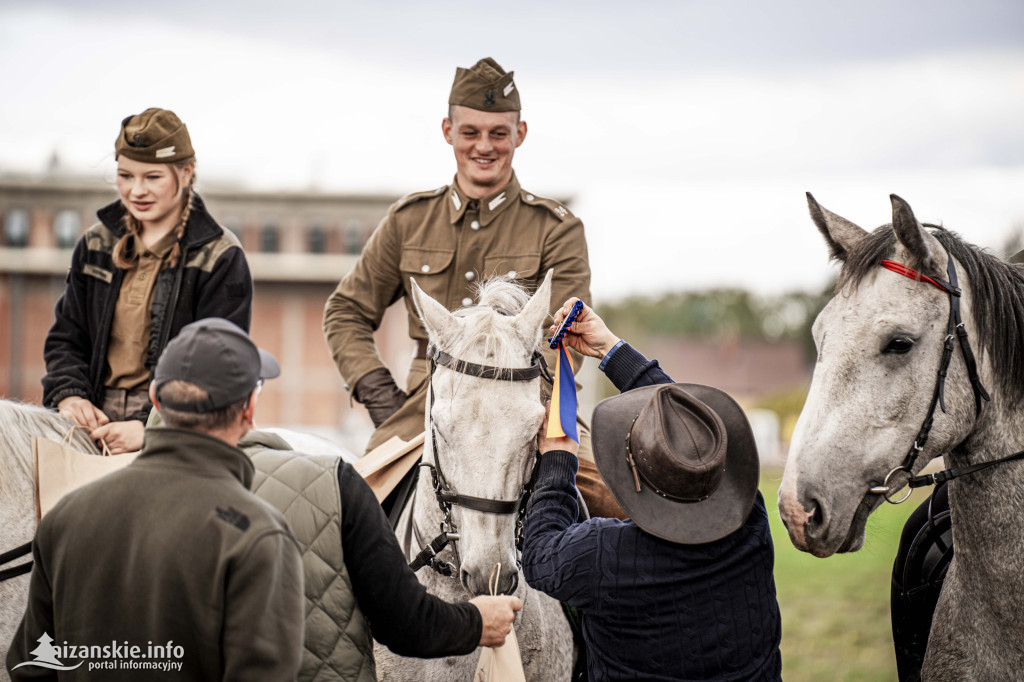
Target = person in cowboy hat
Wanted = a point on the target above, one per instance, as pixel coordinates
(683, 589)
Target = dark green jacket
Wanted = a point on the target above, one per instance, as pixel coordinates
(172, 548)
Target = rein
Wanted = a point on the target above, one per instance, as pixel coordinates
(955, 333)
(8, 557)
(445, 494)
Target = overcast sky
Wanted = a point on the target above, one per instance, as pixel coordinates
(686, 132)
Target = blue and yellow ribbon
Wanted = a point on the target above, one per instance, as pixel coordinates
(562, 415)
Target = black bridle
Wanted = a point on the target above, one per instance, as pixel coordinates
(956, 333)
(446, 495)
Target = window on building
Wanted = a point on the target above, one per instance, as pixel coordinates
(354, 236)
(65, 228)
(317, 239)
(16, 228)
(269, 239)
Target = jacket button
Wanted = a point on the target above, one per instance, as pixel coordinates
(467, 301)
(425, 268)
(470, 276)
(475, 224)
(512, 274)
(529, 197)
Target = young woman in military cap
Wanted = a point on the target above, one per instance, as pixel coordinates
(154, 262)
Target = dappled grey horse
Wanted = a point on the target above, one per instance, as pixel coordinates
(920, 358)
(482, 417)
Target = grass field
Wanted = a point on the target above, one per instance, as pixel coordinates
(835, 611)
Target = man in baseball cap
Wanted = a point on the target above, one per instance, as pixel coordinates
(215, 356)
(683, 589)
(174, 547)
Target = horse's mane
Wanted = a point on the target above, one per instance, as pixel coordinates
(19, 423)
(484, 323)
(997, 292)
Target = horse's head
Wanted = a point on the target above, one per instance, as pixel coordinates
(880, 342)
(484, 428)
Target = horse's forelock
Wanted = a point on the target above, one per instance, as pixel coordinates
(997, 292)
(503, 292)
(486, 327)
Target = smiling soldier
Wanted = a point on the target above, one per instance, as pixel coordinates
(480, 226)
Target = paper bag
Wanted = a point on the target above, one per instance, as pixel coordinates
(59, 469)
(500, 663)
(386, 465)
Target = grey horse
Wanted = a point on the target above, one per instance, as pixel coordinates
(880, 341)
(484, 429)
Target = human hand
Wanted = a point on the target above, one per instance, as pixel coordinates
(82, 412)
(497, 614)
(588, 334)
(545, 444)
(121, 437)
(379, 393)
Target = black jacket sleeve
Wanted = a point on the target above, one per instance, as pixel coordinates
(227, 291)
(627, 368)
(68, 347)
(403, 616)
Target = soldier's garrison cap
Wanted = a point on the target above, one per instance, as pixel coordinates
(485, 86)
(154, 136)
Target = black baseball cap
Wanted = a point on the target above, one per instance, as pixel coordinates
(218, 356)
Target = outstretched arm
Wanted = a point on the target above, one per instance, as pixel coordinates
(402, 614)
(625, 366)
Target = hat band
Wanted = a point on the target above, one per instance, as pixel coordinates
(639, 474)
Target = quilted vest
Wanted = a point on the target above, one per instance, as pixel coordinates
(337, 644)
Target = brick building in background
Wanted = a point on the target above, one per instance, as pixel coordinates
(299, 244)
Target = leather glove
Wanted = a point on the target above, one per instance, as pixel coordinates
(380, 394)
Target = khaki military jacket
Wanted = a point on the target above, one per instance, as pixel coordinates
(449, 242)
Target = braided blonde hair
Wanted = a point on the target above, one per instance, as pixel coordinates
(126, 250)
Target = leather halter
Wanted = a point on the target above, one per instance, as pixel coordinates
(955, 333)
(446, 495)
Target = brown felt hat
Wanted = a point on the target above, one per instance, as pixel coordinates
(680, 460)
(154, 136)
(485, 86)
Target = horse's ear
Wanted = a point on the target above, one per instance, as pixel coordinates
(842, 235)
(926, 253)
(436, 318)
(529, 321)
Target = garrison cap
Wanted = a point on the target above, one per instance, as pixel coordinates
(154, 136)
(485, 86)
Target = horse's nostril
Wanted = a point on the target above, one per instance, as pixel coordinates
(815, 517)
(515, 583)
(466, 580)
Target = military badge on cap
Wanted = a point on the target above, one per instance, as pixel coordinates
(485, 86)
(154, 136)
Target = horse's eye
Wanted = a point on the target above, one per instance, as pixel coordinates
(898, 344)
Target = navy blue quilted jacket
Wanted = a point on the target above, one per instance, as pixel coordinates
(654, 610)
